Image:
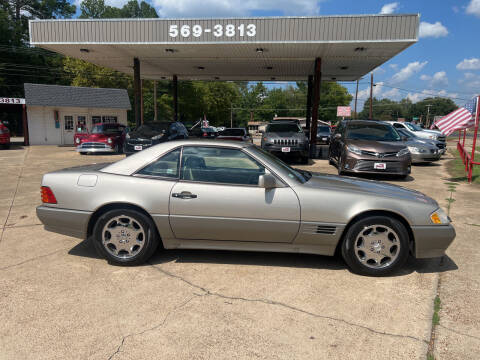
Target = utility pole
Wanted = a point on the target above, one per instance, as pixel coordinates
(428, 113)
(231, 116)
(356, 97)
(371, 96)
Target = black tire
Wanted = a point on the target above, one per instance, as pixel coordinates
(350, 239)
(304, 160)
(151, 238)
(6, 146)
(82, 153)
(340, 167)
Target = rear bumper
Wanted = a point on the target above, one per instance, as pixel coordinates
(4, 139)
(432, 241)
(64, 221)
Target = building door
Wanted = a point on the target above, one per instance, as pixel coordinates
(68, 130)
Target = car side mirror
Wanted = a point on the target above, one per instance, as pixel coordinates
(267, 181)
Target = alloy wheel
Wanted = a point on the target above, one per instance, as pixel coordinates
(377, 246)
(123, 237)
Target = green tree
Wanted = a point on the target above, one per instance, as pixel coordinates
(92, 9)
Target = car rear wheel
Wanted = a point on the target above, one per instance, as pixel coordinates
(376, 246)
(125, 237)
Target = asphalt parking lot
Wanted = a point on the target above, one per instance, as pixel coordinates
(59, 300)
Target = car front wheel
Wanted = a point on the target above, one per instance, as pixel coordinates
(376, 246)
(125, 237)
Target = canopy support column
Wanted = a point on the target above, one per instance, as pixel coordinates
(26, 137)
(316, 103)
(175, 97)
(137, 89)
(309, 104)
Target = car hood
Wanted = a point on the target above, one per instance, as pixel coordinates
(371, 187)
(290, 134)
(377, 146)
(94, 137)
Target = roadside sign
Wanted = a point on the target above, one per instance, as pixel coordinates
(344, 111)
(13, 101)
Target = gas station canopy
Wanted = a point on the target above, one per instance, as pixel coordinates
(275, 48)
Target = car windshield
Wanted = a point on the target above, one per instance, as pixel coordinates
(323, 129)
(406, 134)
(151, 126)
(285, 127)
(413, 127)
(294, 174)
(373, 132)
(233, 132)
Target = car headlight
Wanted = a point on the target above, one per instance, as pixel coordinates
(354, 149)
(416, 150)
(403, 152)
(433, 137)
(127, 136)
(77, 141)
(109, 140)
(157, 137)
(439, 217)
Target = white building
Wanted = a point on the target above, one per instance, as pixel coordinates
(54, 112)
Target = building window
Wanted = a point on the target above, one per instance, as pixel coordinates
(110, 119)
(96, 119)
(68, 122)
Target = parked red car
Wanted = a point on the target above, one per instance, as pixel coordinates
(4, 136)
(237, 134)
(104, 138)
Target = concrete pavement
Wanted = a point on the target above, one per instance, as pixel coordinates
(59, 300)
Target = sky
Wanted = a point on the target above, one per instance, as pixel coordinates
(444, 62)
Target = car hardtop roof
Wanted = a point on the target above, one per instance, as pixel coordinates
(211, 142)
(346, 122)
(104, 123)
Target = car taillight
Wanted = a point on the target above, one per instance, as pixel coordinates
(47, 195)
(205, 134)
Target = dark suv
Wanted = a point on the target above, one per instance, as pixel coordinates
(152, 133)
(285, 137)
(368, 146)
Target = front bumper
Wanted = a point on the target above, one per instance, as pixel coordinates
(425, 157)
(432, 241)
(130, 148)
(64, 221)
(274, 148)
(394, 166)
(95, 148)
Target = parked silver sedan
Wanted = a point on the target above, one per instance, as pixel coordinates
(421, 150)
(194, 194)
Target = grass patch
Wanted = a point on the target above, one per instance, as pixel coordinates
(437, 304)
(430, 357)
(456, 168)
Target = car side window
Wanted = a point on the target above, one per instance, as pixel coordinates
(165, 166)
(219, 165)
(398, 126)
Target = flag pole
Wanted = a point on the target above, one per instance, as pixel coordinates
(472, 159)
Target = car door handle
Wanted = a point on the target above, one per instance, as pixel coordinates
(184, 195)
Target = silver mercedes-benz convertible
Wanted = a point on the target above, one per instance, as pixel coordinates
(195, 194)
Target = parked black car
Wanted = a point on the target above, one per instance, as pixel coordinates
(152, 133)
(367, 146)
(323, 135)
(285, 138)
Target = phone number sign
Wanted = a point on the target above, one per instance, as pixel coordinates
(185, 31)
(13, 101)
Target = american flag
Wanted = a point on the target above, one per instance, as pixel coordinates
(461, 118)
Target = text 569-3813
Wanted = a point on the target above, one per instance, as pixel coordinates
(217, 30)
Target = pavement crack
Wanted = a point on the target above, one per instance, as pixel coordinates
(459, 332)
(155, 327)
(31, 259)
(14, 194)
(284, 305)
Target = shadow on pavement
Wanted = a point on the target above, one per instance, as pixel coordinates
(292, 260)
